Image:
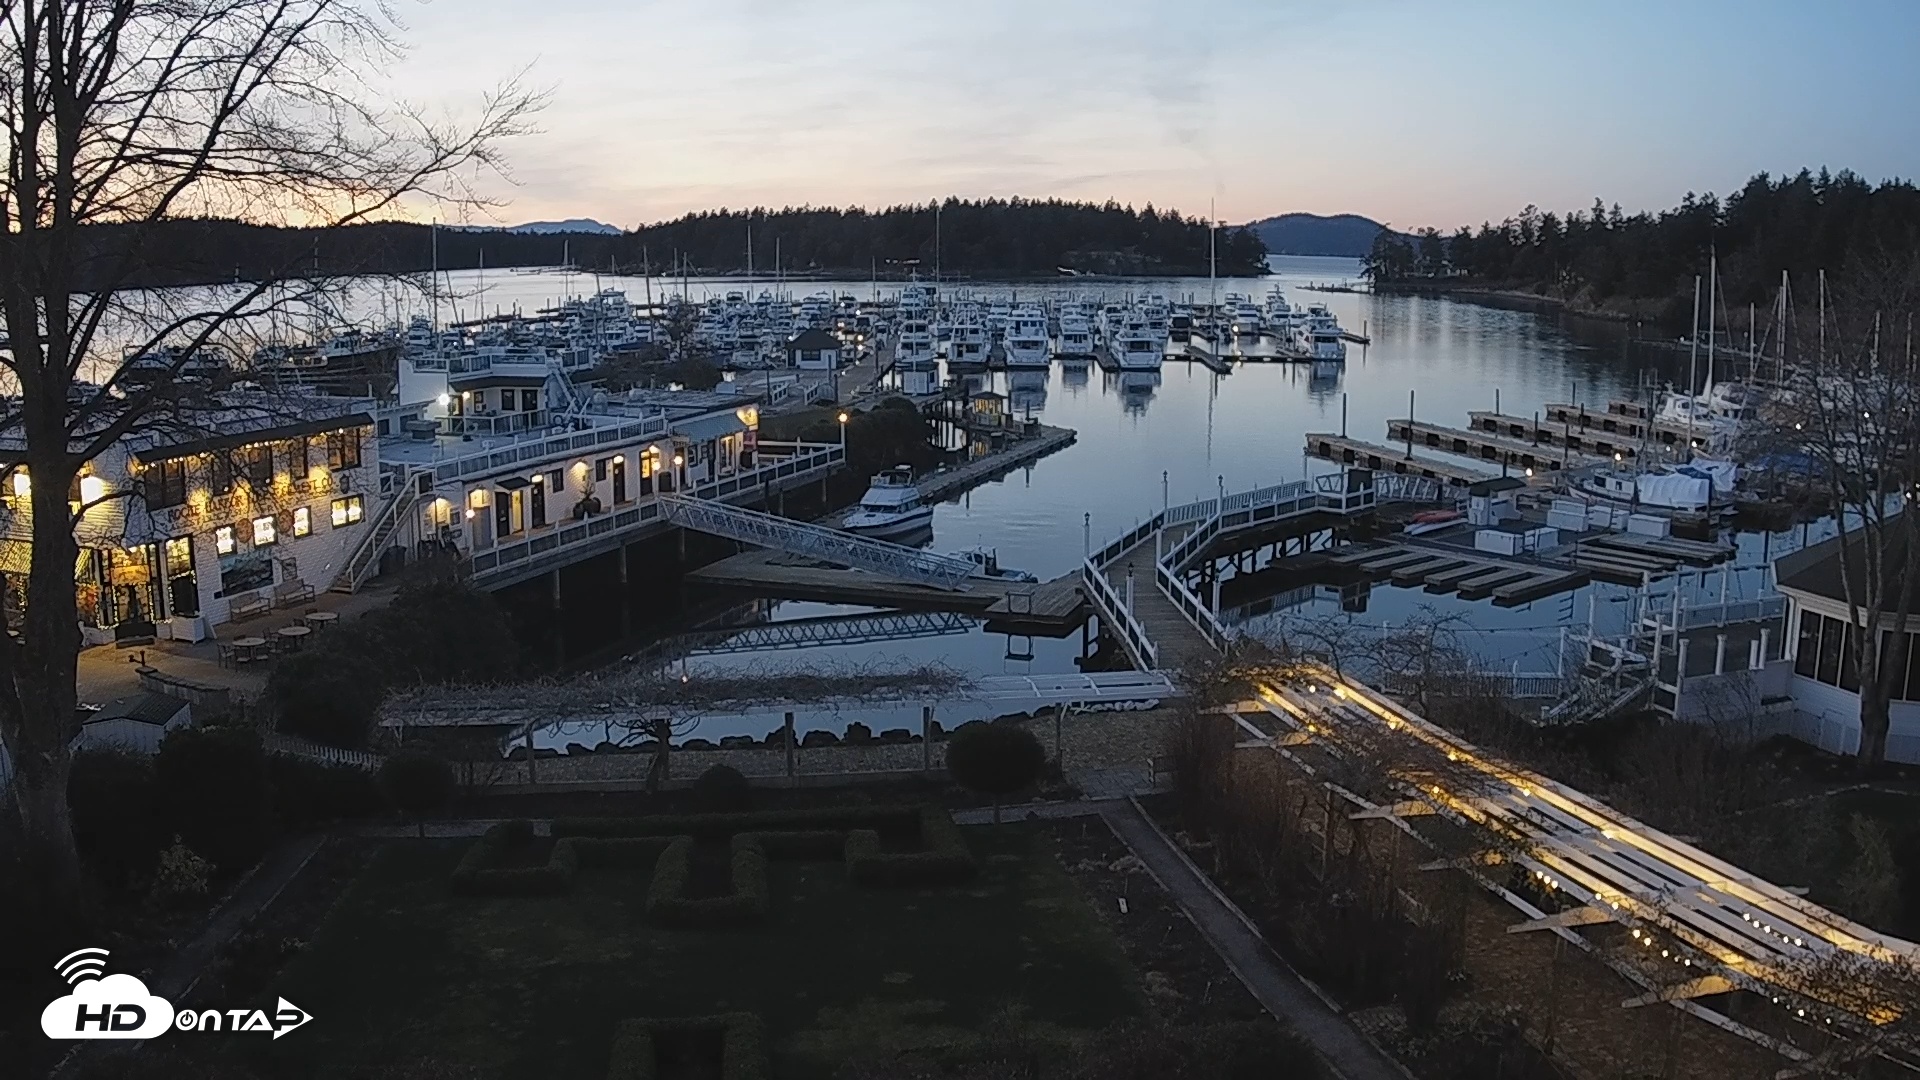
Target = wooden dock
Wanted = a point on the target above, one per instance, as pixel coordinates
(1394, 459)
(1626, 559)
(1218, 364)
(1053, 607)
(1474, 575)
(1179, 642)
(1597, 442)
(1516, 453)
(1625, 419)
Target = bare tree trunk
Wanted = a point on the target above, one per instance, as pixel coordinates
(1875, 718)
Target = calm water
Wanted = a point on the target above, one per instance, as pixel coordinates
(1196, 430)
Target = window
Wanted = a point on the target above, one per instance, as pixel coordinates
(557, 481)
(257, 463)
(183, 589)
(343, 450)
(167, 484)
(1807, 653)
(1830, 643)
(302, 521)
(264, 532)
(294, 453)
(219, 473)
(347, 511)
(223, 539)
(1849, 671)
(529, 399)
(600, 470)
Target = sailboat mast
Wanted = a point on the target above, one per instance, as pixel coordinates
(433, 285)
(1713, 277)
(1693, 357)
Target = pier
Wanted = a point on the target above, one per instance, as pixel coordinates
(1474, 575)
(1489, 447)
(1052, 608)
(1628, 419)
(1626, 559)
(1392, 459)
(1596, 442)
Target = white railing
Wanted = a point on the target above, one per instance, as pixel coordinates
(1196, 611)
(1115, 613)
(1763, 609)
(598, 529)
(365, 559)
(293, 746)
(818, 542)
(558, 445)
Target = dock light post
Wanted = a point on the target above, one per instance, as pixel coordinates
(843, 430)
(1163, 491)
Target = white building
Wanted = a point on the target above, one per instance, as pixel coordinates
(814, 350)
(253, 502)
(1823, 683)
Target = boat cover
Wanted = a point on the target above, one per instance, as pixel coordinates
(1675, 490)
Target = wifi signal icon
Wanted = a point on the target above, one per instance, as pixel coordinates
(82, 964)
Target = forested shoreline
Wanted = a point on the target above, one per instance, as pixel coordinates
(961, 238)
(1601, 261)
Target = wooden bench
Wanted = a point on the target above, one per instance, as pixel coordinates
(290, 593)
(247, 605)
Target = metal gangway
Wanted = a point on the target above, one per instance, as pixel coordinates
(828, 630)
(818, 542)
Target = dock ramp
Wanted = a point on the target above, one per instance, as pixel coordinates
(817, 542)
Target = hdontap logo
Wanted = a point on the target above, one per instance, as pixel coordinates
(103, 1006)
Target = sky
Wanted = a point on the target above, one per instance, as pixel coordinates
(1413, 112)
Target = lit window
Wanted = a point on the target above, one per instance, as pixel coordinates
(223, 539)
(477, 498)
(347, 511)
(263, 531)
(302, 521)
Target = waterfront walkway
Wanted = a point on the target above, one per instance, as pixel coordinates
(1179, 642)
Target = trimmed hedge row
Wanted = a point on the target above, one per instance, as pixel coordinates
(669, 904)
(945, 861)
(743, 1045)
(476, 875)
(720, 826)
(665, 845)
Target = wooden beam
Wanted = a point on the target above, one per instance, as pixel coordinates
(1411, 808)
(1485, 858)
(1579, 916)
(1292, 738)
(1704, 986)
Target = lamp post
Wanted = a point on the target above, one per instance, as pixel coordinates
(843, 430)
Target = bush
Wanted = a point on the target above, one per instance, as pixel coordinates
(722, 788)
(213, 792)
(179, 876)
(743, 1045)
(995, 759)
(327, 694)
(416, 783)
(308, 793)
(113, 798)
(478, 875)
(945, 860)
(669, 904)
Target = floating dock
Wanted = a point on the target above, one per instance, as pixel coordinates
(1393, 459)
(1627, 559)
(1219, 364)
(1597, 442)
(1474, 575)
(1517, 453)
(1626, 419)
(1053, 607)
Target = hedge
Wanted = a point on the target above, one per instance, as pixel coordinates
(945, 860)
(477, 874)
(721, 826)
(669, 904)
(743, 1045)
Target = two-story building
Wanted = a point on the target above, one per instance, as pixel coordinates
(251, 501)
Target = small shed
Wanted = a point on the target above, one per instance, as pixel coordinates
(814, 350)
(136, 722)
(987, 408)
(1490, 502)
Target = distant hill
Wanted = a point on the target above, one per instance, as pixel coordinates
(1345, 235)
(571, 225)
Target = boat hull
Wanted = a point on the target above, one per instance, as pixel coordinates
(893, 525)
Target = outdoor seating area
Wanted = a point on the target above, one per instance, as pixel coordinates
(260, 646)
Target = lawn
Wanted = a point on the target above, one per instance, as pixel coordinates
(533, 987)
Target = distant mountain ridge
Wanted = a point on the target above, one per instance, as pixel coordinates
(1348, 236)
(570, 225)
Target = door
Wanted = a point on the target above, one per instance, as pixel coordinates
(620, 480)
(537, 498)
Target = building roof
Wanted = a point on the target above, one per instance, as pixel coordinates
(1495, 486)
(147, 707)
(814, 340)
(481, 380)
(228, 441)
(1815, 569)
(703, 428)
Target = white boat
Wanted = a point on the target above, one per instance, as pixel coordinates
(1076, 339)
(1721, 409)
(1668, 490)
(1247, 319)
(1135, 348)
(1026, 343)
(891, 507)
(914, 351)
(967, 344)
(988, 563)
(1317, 334)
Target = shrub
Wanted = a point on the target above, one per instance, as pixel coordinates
(327, 694)
(478, 875)
(722, 788)
(112, 796)
(179, 876)
(743, 1045)
(213, 792)
(996, 760)
(416, 783)
(945, 860)
(307, 793)
(667, 900)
